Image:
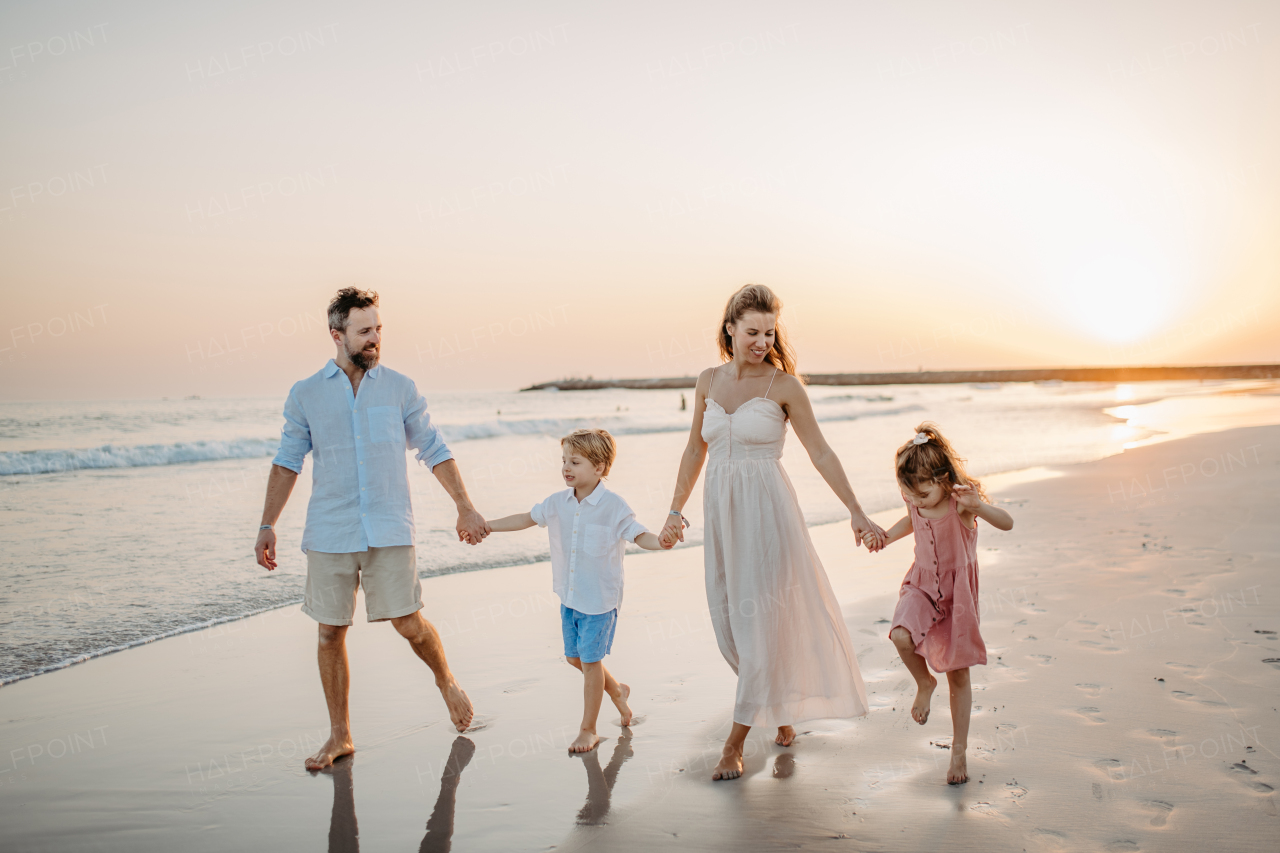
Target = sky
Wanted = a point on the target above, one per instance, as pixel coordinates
(540, 190)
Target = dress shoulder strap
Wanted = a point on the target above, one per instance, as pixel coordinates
(771, 378)
(713, 380)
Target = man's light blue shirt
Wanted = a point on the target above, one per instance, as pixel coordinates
(360, 479)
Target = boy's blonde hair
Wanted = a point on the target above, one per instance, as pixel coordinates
(933, 461)
(595, 444)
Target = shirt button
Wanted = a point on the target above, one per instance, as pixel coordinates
(357, 436)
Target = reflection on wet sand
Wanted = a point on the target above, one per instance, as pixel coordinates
(600, 782)
(439, 837)
(344, 834)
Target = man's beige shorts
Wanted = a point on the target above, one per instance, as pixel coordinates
(389, 577)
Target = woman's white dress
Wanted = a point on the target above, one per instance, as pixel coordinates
(776, 619)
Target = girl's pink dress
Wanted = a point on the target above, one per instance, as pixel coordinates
(938, 602)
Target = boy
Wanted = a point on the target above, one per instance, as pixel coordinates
(588, 526)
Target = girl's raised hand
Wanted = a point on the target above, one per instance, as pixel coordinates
(967, 497)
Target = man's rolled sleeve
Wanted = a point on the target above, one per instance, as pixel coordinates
(422, 435)
(295, 437)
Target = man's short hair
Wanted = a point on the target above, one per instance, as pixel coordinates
(347, 299)
(595, 444)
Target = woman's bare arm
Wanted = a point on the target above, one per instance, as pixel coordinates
(695, 454)
(795, 401)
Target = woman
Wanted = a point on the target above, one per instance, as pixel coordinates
(775, 617)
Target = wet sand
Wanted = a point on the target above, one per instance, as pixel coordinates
(1130, 703)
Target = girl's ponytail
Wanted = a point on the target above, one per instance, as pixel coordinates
(929, 457)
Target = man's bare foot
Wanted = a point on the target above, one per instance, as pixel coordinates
(730, 766)
(920, 708)
(455, 699)
(334, 748)
(958, 772)
(585, 742)
(621, 704)
(786, 735)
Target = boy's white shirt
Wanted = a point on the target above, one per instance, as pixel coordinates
(587, 541)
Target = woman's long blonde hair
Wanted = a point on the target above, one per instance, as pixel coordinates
(757, 297)
(934, 460)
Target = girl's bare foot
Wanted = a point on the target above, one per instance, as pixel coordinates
(335, 747)
(786, 735)
(459, 705)
(585, 742)
(730, 766)
(958, 772)
(621, 703)
(924, 693)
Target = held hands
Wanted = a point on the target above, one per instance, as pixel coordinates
(472, 528)
(265, 549)
(672, 532)
(867, 532)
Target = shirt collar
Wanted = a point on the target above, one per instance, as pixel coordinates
(593, 498)
(331, 368)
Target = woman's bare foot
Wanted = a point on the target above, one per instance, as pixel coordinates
(924, 693)
(585, 742)
(730, 766)
(460, 711)
(958, 772)
(621, 703)
(335, 747)
(786, 735)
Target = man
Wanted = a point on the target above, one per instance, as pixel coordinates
(357, 418)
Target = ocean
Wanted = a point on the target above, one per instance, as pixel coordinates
(128, 521)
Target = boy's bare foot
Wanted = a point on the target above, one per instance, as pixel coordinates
(585, 742)
(455, 699)
(730, 766)
(786, 735)
(621, 703)
(924, 693)
(958, 772)
(333, 748)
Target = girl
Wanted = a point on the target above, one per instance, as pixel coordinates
(936, 620)
(776, 618)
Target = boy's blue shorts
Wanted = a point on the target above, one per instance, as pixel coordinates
(587, 636)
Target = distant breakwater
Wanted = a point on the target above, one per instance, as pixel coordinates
(950, 377)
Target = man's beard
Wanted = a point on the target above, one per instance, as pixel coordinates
(365, 360)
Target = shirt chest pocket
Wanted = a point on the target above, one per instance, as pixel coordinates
(385, 424)
(597, 540)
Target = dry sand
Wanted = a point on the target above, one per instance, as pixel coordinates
(1130, 703)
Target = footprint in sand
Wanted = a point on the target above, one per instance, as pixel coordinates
(1191, 697)
(636, 719)
(1049, 839)
(1121, 846)
(1015, 791)
(1275, 662)
(1162, 732)
(1108, 766)
(1093, 715)
(1044, 659)
(1245, 774)
(1176, 665)
(1162, 809)
(1272, 633)
(1090, 689)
